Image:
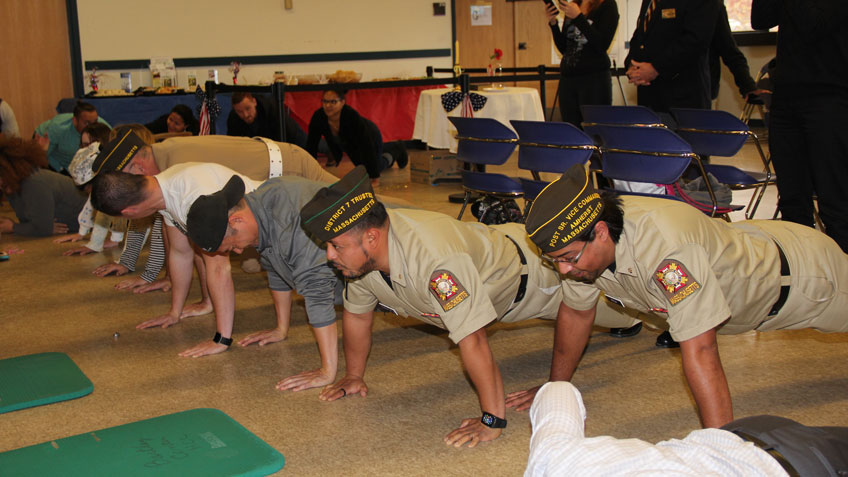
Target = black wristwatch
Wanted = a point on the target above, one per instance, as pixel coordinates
(220, 339)
(490, 420)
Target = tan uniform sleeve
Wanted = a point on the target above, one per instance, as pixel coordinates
(457, 293)
(298, 162)
(357, 297)
(685, 284)
(579, 296)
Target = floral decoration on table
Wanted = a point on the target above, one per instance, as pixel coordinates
(495, 56)
(235, 67)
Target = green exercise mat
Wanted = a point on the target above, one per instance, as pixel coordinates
(203, 442)
(36, 379)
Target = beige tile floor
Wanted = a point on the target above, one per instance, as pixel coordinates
(418, 391)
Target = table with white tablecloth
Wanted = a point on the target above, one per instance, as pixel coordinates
(431, 120)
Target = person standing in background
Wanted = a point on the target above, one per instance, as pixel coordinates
(807, 139)
(583, 41)
(668, 54)
(723, 49)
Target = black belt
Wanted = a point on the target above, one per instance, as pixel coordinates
(522, 287)
(784, 290)
(770, 450)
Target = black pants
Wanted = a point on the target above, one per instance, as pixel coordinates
(812, 451)
(591, 88)
(809, 146)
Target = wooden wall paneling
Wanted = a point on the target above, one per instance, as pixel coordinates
(531, 28)
(477, 43)
(37, 68)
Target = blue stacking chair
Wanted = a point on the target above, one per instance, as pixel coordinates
(549, 147)
(601, 115)
(482, 142)
(719, 133)
(652, 154)
(622, 115)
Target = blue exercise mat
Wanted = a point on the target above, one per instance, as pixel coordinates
(36, 379)
(204, 442)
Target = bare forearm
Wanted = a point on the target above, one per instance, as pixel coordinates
(180, 271)
(357, 341)
(571, 335)
(327, 338)
(705, 375)
(483, 370)
(282, 305)
(220, 283)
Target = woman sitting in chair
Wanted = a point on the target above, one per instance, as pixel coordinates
(346, 131)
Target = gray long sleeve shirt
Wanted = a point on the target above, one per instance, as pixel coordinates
(293, 260)
(45, 196)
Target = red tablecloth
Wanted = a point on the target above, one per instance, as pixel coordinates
(391, 109)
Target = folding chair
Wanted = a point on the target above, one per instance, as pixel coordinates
(599, 115)
(549, 147)
(654, 155)
(719, 133)
(622, 115)
(485, 141)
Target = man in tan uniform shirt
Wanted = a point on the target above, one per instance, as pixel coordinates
(458, 276)
(247, 156)
(258, 159)
(702, 275)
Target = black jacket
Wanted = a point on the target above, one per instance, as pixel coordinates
(266, 124)
(360, 138)
(579, 57)
(724, 48)
(676, 43)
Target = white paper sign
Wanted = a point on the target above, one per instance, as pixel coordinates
(481, 15)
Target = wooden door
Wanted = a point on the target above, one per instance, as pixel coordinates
(477, 43)
(519, 28)
(36, 72)
(533, 42)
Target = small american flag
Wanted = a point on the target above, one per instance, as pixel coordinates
(204, 120)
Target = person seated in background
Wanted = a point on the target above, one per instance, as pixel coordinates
(751, 446)
(8, 123)
(61, 135)
(89, 220)
(45, 202)
(179, 120)
(347, 132)
(254, 116)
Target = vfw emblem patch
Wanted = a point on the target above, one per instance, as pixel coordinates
(447, 289)
(675, 281)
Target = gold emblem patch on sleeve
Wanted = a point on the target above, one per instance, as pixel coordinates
(675, 281)
(447, 289)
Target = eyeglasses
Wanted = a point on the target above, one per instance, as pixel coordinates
(331, 101)
(562, 259)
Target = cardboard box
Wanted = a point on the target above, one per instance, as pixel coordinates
(435, 167)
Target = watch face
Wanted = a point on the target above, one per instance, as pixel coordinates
(488, 419)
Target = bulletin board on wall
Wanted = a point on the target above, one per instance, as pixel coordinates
(114, 30)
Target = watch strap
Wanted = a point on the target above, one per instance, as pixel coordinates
(220, 339)
(490, 420)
